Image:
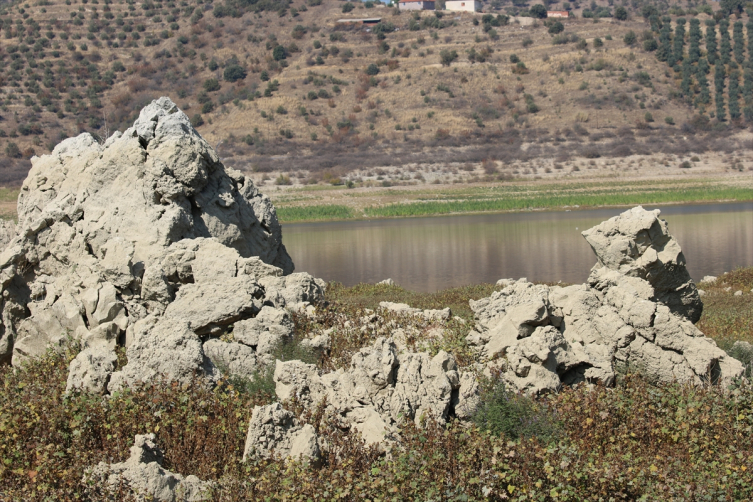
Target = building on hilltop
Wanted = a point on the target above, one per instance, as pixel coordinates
(463, 5)
(557, 13)
(416, 4)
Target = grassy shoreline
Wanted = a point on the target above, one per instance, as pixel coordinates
(513, 199)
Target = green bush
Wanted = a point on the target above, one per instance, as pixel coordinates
(515, 415)
(211, 85)
(630, 38)
(234, 72)
(197, 120)
(372, 69)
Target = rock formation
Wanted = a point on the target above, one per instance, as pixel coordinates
(382, 386)
(146, 241)
(635, 312)
(142, 477)
(275, 431)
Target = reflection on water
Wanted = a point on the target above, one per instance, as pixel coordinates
(428, 254)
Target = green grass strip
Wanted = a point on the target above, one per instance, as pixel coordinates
(556, 201)
(314, 213)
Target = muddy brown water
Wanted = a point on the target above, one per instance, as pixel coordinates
(429, 254)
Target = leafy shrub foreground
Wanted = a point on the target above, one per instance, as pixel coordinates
(637, 440)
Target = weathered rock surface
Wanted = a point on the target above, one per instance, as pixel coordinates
(147, 241)
(143, 477)
(381, 387)
(7, 233)
(634, 313)
(274, 431)
(637, 244)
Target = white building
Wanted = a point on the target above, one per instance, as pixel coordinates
(463, 5)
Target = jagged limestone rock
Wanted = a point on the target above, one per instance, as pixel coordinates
(637, 243)
(143, 477)
(111, 232)
(634, 314)
(381, 387)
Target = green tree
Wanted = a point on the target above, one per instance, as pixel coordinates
(711, 51)
(279, 53)
(686, 78)
(372, 69)
(620, 13)
(234, 72)
(749, 30)
(12, 150)
(665, 43)
(739, 39)
(630, 38)
(729, 7)
(702, 70)
(725, 47)
(447, 56)
(538, 11)
(679, 40)
(694, 40)
(348, 7)
(719, 77)
(734, 95)
(211, 85)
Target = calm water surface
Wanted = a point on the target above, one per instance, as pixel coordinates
(428, 254)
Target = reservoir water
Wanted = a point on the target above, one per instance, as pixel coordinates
(428, 254)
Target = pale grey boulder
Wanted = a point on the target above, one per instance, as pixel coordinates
(97, 223)
(275, 432)
(232, 358)
(7, 232)
(164, 349)
(381, 388)
(90, 370)
(634, 314)
(142, 477)
(637, 243)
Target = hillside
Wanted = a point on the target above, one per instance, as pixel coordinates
(280, 86)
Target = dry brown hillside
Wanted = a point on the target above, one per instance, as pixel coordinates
(275, 82)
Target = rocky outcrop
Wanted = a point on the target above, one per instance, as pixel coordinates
(146, 241)
(637, 244)
(275, 432)
(142, 477)
(634, 313)
(381, 387)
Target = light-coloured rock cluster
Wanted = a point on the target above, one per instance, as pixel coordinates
(382, 387)
(636, 312)
(274, 431)
(143, 478)
(147, 241)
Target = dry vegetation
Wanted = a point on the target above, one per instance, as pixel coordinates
(279, 87)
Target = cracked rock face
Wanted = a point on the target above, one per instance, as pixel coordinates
(146, 241)
(637, 243)
(635, 313)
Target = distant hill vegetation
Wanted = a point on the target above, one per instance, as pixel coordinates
(270, 78)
